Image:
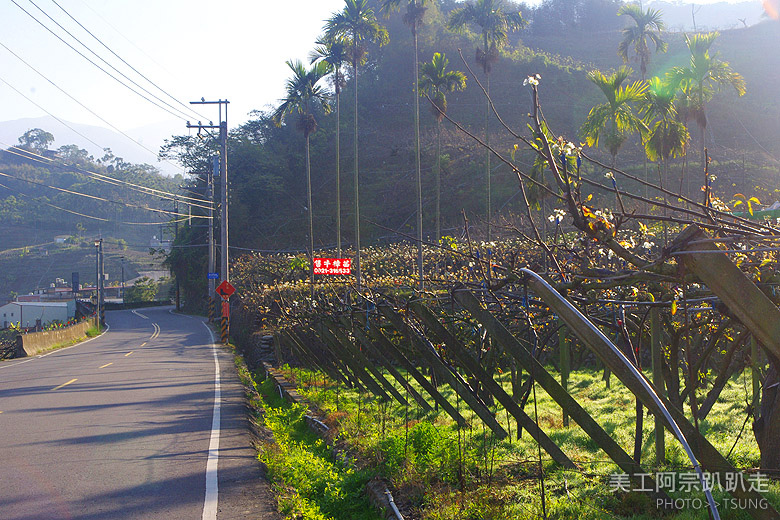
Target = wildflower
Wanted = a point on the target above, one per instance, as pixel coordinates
(557, 216)
(532, 80)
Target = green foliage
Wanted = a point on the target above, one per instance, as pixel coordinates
(311, 484)
(143, 290)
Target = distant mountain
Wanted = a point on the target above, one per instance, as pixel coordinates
(681, 16)
(96, 138)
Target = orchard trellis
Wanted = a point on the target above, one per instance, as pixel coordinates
(704, 304)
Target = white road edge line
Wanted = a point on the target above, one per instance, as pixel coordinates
(212, 483)
(139, 314)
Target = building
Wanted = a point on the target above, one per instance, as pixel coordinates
(32, 314)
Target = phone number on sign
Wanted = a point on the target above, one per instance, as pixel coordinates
(332, 270)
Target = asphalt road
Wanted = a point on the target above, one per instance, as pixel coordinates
(147, 421)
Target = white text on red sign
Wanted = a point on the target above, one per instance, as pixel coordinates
(332, 266)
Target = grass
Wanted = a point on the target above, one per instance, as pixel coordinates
(94, 331)
(309, 482)
(448, 473)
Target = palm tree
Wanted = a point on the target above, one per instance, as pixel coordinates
(495, 24)
(357, 24)
(302, 93)
(701, 79)
(648, 27)
(436, 82)
(415, 10)
(667, 137)
(335, 54)
(611, 123)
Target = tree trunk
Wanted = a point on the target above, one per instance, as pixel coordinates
(338, 166)
(487, 158)
(438, 181)
(767, 427)
(311, 218)
(417, 161)
(357, 191)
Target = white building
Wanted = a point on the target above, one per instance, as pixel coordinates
(28, 314)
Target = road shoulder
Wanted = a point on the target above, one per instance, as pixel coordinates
(244, 490)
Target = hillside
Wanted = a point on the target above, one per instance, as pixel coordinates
(267, 167)
(48, 228)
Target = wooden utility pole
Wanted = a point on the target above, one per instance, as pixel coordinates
(212, 250)
(223, 173)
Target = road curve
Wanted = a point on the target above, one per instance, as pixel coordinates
(124, 427)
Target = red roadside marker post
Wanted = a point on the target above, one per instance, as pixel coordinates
(225, 290)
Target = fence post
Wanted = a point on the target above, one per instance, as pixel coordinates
(755, 359)
(565, 351)
(658, 381)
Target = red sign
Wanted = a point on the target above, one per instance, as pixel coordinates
(225, 308)
(225, 289)
(332, 266)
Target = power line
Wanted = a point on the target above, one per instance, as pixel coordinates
(77, 102)
(100, 58)
(39, 199)
(105, 178)
(40, 107)
(125, 62)
(94, 197)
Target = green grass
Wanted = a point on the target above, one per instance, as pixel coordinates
(449, 473)
(310, 484)
(94, 331)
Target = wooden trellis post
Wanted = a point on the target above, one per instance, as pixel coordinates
(387, 346)
(365, 363)
(358, 369)
(449, 376)
(501, 334)
(707, 455)
(565, 353)
(468, 362)
(352, 380)
(657, 359)
(755, 373)
(378, 355)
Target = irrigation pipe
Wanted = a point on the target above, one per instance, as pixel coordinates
(390, 500)
(643, 381)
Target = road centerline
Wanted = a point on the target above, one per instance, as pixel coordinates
(64, 385)
(129, 353)
(107, 365)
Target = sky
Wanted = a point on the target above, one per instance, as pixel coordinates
(192, 49)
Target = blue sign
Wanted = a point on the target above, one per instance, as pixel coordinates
(213, 276)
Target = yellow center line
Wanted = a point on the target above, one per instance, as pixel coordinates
(144, 343)
(63, 385)
(107, 365)
(129, 353)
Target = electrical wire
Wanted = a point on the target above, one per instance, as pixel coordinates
(94, 197)
(82, 105)
(40, 107)
(26, 154)
(188, 107)
(101, 219)
(181, 115)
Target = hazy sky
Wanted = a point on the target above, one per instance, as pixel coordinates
(233, 49)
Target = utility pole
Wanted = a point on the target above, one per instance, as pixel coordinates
(102, 285)
(212, 249)
(175, 238)
(123, 281)
(98, 250)
(223, 135)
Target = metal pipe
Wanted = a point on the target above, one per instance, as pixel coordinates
(647, 386)
(394, 508)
